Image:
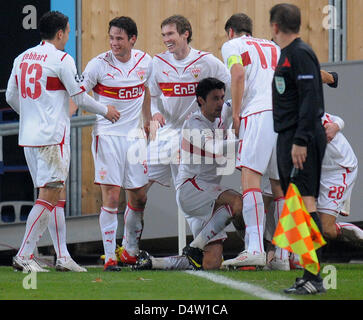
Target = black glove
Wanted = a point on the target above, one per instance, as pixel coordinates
(335, 83)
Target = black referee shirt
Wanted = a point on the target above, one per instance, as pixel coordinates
(297, 92)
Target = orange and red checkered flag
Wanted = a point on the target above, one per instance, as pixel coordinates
(297, 232)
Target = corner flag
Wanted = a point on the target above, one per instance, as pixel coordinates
(297, 232)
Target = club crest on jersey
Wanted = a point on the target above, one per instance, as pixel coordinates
(102, 174)
(280, 84)
(141, 74)
(195, 72)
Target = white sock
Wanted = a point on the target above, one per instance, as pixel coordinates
(133, 227)
(247, 238)
(219, 220)
(254, 215)
(171, 263)
(280, 253)
(36, 224)
(57, 230)
(108, 225)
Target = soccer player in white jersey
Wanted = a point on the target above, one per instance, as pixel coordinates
(41, 82)
(176, 73)
(338, 175)
(209, 207)
(120, 76)
(251, 62)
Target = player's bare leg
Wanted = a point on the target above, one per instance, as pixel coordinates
(227, 207)
(213, 255)
(108, 224)
(133, 224)
(328, 225)
(333, 230)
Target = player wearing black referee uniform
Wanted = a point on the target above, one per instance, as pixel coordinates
(298, 106)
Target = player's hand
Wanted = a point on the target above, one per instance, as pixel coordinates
(158, 117)
(147, 128)
(157, 121)
(112, 114)
(298, 156)
(236, 125)
(331, 129)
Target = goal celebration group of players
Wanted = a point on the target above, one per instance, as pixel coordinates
(183, 116)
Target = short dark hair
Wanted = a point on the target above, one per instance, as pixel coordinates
(124, 23)
(287, 17)
(207, 85)
(50, 23)
(239, 23)
(182, 25)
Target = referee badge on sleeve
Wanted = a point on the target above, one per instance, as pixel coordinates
(280, 84)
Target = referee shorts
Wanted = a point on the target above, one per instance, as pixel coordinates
(308, 179)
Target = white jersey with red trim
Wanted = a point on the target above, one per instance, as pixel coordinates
(338, 151)
(195, 160)
(44, 78)
(121, 85)
(175, 81)
(259, 57)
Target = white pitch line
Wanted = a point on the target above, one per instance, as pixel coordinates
(239, 285)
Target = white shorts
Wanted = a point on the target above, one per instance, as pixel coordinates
(49, 165)
(257, 145)
(197, 198)
(163, 159)
(335, 190)
(163, 173)
(120, 161)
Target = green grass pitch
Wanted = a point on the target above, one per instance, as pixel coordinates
(166, 285)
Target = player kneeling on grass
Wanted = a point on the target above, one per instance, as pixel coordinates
(208, 206)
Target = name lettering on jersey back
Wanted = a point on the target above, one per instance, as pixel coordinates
(34, 56)
(121, 93)
(184, 89)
